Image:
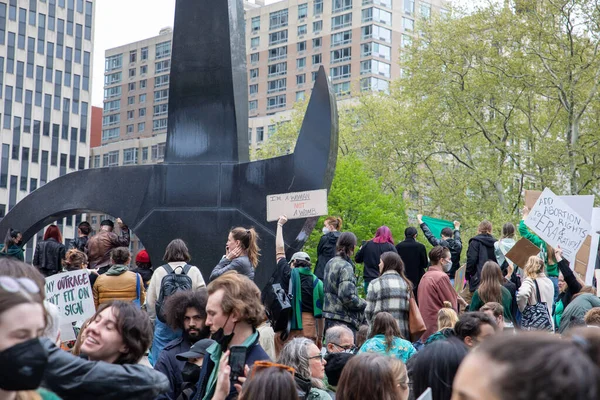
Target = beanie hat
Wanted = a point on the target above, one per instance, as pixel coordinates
(142, 257)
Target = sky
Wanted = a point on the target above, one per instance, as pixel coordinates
(119, 22)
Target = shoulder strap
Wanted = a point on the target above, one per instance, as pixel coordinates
(168, 268)
(186, 269)
(137, 285)
(537, 290)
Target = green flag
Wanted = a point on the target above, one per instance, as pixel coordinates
(436, 225)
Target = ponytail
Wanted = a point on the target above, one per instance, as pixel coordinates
(335, 222)
(249, 241)
(345, 245)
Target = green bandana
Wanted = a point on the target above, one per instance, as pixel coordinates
(297, 296)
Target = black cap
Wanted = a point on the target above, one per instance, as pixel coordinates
(197, 350)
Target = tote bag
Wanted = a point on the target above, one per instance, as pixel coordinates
(536, 317)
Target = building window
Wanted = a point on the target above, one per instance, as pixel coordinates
(278, 85)
(112, 92)
(302, 10)
(158, 151)
(131, 86)
(112, 133)
(162, 66)
(341, 72)
(408, 24)
(130, 114)
(301, 46)
(111, 159)
(300, 96)
(317, 42)
(129, 129)
(160, 95)
(132, 56)
(406, 41)
(377, 15)
(143, 84)
(300, 79)
(317, 59)
(376, 32)
(161, 109)
(159, 124)
(255, 24)
(375, 84)
(145, 154)
(277, 53)
(375, 67)
(278, 37)
(255, 42)
(113, 62)
(341, 55)
(301, 62)
(143, 70)
(278, 19)
(277, 69)
(112, 79)
(341, 89)
(302, 30)
(142, 98)
(113, 119)
(260, 134)
(341, 21)
(130, 156)
(252, 105)
(254, 57)
(341, 38)
(425, 10)
(130, 100)
(163, 50)
(376, 50)
(341, 5)
(409, 7)
(144, 54)
(97, 161)
(162, 80)
(142, 112)
(317, 26)
(253, 89)
(113, 105)
(131, 72)
(276, 102)
(141, 127)
(254, 73)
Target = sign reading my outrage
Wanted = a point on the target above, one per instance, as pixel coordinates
(557, 224)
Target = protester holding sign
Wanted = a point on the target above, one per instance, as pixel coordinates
(568, 286)
(546, 251)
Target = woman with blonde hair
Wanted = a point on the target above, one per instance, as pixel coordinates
(241, 254)
(491, 290)
(536, 287)
(446, 319)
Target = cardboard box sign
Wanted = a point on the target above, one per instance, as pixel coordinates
(312, 203)
(521, 251)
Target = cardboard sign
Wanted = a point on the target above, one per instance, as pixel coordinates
(583, 203)
(459, 278)
(558, 224)
(71, 292)
(521, 251)
(595, 239)
(312, 203)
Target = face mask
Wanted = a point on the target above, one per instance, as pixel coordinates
(325, 231)
(220, 337)
(27, 362)
(447, 266)
(191, 372)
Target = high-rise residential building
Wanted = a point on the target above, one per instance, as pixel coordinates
(45, 68)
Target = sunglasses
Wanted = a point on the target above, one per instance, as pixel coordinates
(262, 365)
(15, 285)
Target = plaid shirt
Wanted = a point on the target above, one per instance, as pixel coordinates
(341, 298)
(389, 293)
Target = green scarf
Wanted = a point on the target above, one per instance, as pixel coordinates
(215, 355)
(117, 269)
(297, 296)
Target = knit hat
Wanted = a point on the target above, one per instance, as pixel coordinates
(335, 365)
(142, 257)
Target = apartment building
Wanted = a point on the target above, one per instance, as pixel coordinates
(46, 50)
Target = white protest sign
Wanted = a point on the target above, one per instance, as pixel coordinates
(593, 247)
(557, 224)
(71, 292)
(312, 203)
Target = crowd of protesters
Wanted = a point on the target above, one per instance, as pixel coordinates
(314, 332)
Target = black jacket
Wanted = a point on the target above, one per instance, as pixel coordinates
(71, 377)
(414, 256)
(79, 243)
(48, 256)
(454, 245)
(573, 285)
(169, 365)
(481, 249)
(369, 254)
(325, 252)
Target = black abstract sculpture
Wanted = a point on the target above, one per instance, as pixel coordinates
(206, 185)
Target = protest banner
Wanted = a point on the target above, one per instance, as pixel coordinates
(582, 203)
(71, 292)
(312, 203)
(436, 225)
(521, 251)
(558, 224)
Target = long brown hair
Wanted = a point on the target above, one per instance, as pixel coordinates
(385, 324)
(393, 262)
(249, 240)
(490, 288)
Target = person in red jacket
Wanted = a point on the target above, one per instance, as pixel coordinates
(435, 288)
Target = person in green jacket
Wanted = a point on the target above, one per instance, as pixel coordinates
(491, 290)
(12, 245)
(546, 251)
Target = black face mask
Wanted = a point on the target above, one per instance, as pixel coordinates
(220, 337)
(191, 372)
(27, 363)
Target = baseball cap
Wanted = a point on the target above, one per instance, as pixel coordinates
(300, 256)
(197, 350)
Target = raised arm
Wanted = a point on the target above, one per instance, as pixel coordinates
(279, 243)
(427, 232)
(570, 278)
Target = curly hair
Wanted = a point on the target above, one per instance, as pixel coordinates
(177, 305)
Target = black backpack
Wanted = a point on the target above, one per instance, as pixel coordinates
(278, 305)
(171, 284)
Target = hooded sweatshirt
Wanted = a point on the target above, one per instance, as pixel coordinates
(325, 252)
(481, 249)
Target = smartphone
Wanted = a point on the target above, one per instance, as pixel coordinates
(237, 361)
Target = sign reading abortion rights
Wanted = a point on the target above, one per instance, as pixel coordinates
(557, 224)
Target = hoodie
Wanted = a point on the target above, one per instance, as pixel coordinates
(325, 252)
(118, 283)
(481, 249)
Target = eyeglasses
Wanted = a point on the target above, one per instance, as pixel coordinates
(318, 356)
(262, 365)
(348, 347)
(14, 285)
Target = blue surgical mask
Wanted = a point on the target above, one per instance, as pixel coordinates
(325, 231)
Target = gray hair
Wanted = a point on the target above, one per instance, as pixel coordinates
(295, 354)
(335, 333)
